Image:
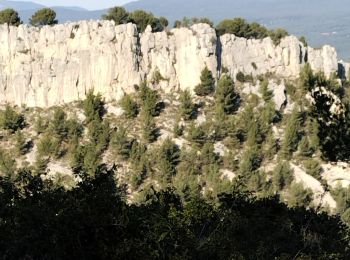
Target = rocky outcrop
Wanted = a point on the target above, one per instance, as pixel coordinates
(53, 65)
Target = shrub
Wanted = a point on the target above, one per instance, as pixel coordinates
(291, 134)
(49, 146)
(41, 125)
(196, 134)
(22, 146)
(240, 77)
(11, 120)
(149, 100)
(10, 17)
(58, 125)
(206, 86)
(120, 143)
(241, 28)
(187, 22)
(7, 163)
(277, 35)
(93, 107)
(299, 196)
(129, 106)
(251, 160)
(45, 16)
(282, 175)
(267, 94)
(118, 14)
(313, 168)
(142, 19)
(187, 108)
(149, 128)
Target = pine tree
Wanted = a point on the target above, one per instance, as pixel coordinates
(120, 144)
(149, 128)
(267, 94)
(129, 106)
(313, 168)
(187, 108)
(291, 134)
(226, 97)
(282, 175)
(206, 86)
(251, 160)
(305, 149)
(93, 107)
(11, 120)
(149, 100)
(21, 143)
(299, 196)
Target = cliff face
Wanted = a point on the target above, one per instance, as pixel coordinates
(59, 64)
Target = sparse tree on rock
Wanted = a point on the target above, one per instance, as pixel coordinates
(10, 16)
(45, 16)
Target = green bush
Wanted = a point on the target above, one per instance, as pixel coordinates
(206, 86)
(10, 17)
(118, 14)
(187, 108)
(22, 145)
(150, 131)
(196, 134)
(241, 28)
(129, 106)
(299, 196)
(49, 146)
(7, 163)
(142, 19)
(93, 107)
(277, 35)
(188, 22)
(313, 168)
(11, 120)
(291, 134)
(44, 16)
(149, 100)
(282, 175)
(120, 143)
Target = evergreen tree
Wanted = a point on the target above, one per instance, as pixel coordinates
(282, 175)
(129, 106)
(120, 144)
(313, 168)
(291, 134)
(118, 14)
(226, 97)
(206, 86)
(149, 100)
(11, 120)
(21, 143)
(196, 134)
(44, 16)
(10, 16)
(251, 160)
(299, 196)
(93, 107)
(7, 163)
(149, 128)
(267, 94)
(187, 108)
(305, 149)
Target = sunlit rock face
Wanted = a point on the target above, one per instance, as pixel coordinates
(58, 64)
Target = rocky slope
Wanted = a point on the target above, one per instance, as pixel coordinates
(55, 65)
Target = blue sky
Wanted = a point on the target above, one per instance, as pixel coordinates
(88, 4)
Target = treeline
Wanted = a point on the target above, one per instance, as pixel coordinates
(92, 221)
(142, 19)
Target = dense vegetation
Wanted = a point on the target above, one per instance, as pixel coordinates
(159, 181)
(92, 221)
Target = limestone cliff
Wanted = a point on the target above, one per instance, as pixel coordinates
(59, 64)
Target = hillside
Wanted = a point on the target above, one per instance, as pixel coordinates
(136, 141)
